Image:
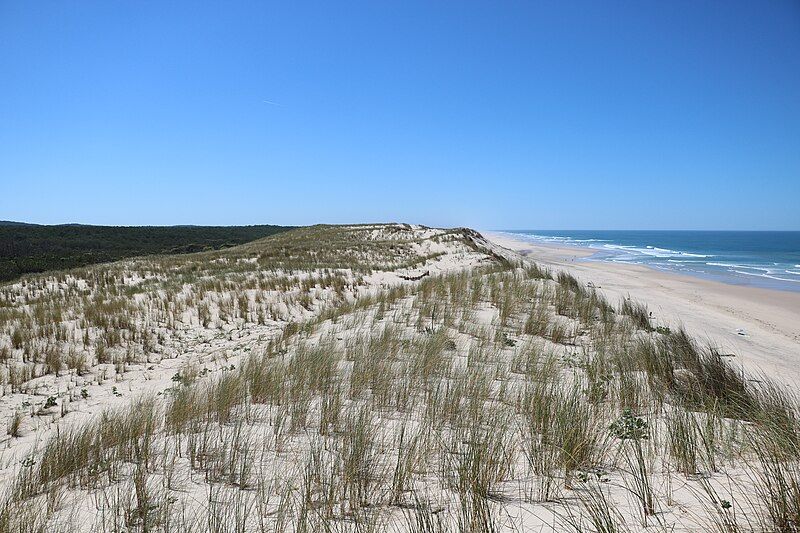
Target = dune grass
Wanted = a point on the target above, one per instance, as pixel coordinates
(445, 404)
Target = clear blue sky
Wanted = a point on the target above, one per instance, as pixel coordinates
(596, 115)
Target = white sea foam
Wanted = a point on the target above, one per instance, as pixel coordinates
(634, 252)
(652, 251)
(736, 265)
(557, 238)
(767, 276)
(771, 272)
(675, 260)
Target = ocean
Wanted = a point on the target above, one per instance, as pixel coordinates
(768, 259)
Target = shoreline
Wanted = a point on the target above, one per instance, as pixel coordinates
(728, 277)
(760, 326)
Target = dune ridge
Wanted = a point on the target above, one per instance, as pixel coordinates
(379, 377)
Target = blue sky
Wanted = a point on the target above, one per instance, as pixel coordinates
(594, 115)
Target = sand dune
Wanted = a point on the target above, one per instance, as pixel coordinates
(393, 378)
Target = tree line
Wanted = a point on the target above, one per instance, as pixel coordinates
(31, 248)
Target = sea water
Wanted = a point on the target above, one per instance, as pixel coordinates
(769, 259)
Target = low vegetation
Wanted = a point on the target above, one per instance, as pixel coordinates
(495, 397)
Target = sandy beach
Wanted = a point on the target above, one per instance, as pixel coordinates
(760, 327)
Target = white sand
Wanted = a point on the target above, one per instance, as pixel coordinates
(709, 310)
(213, 349)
